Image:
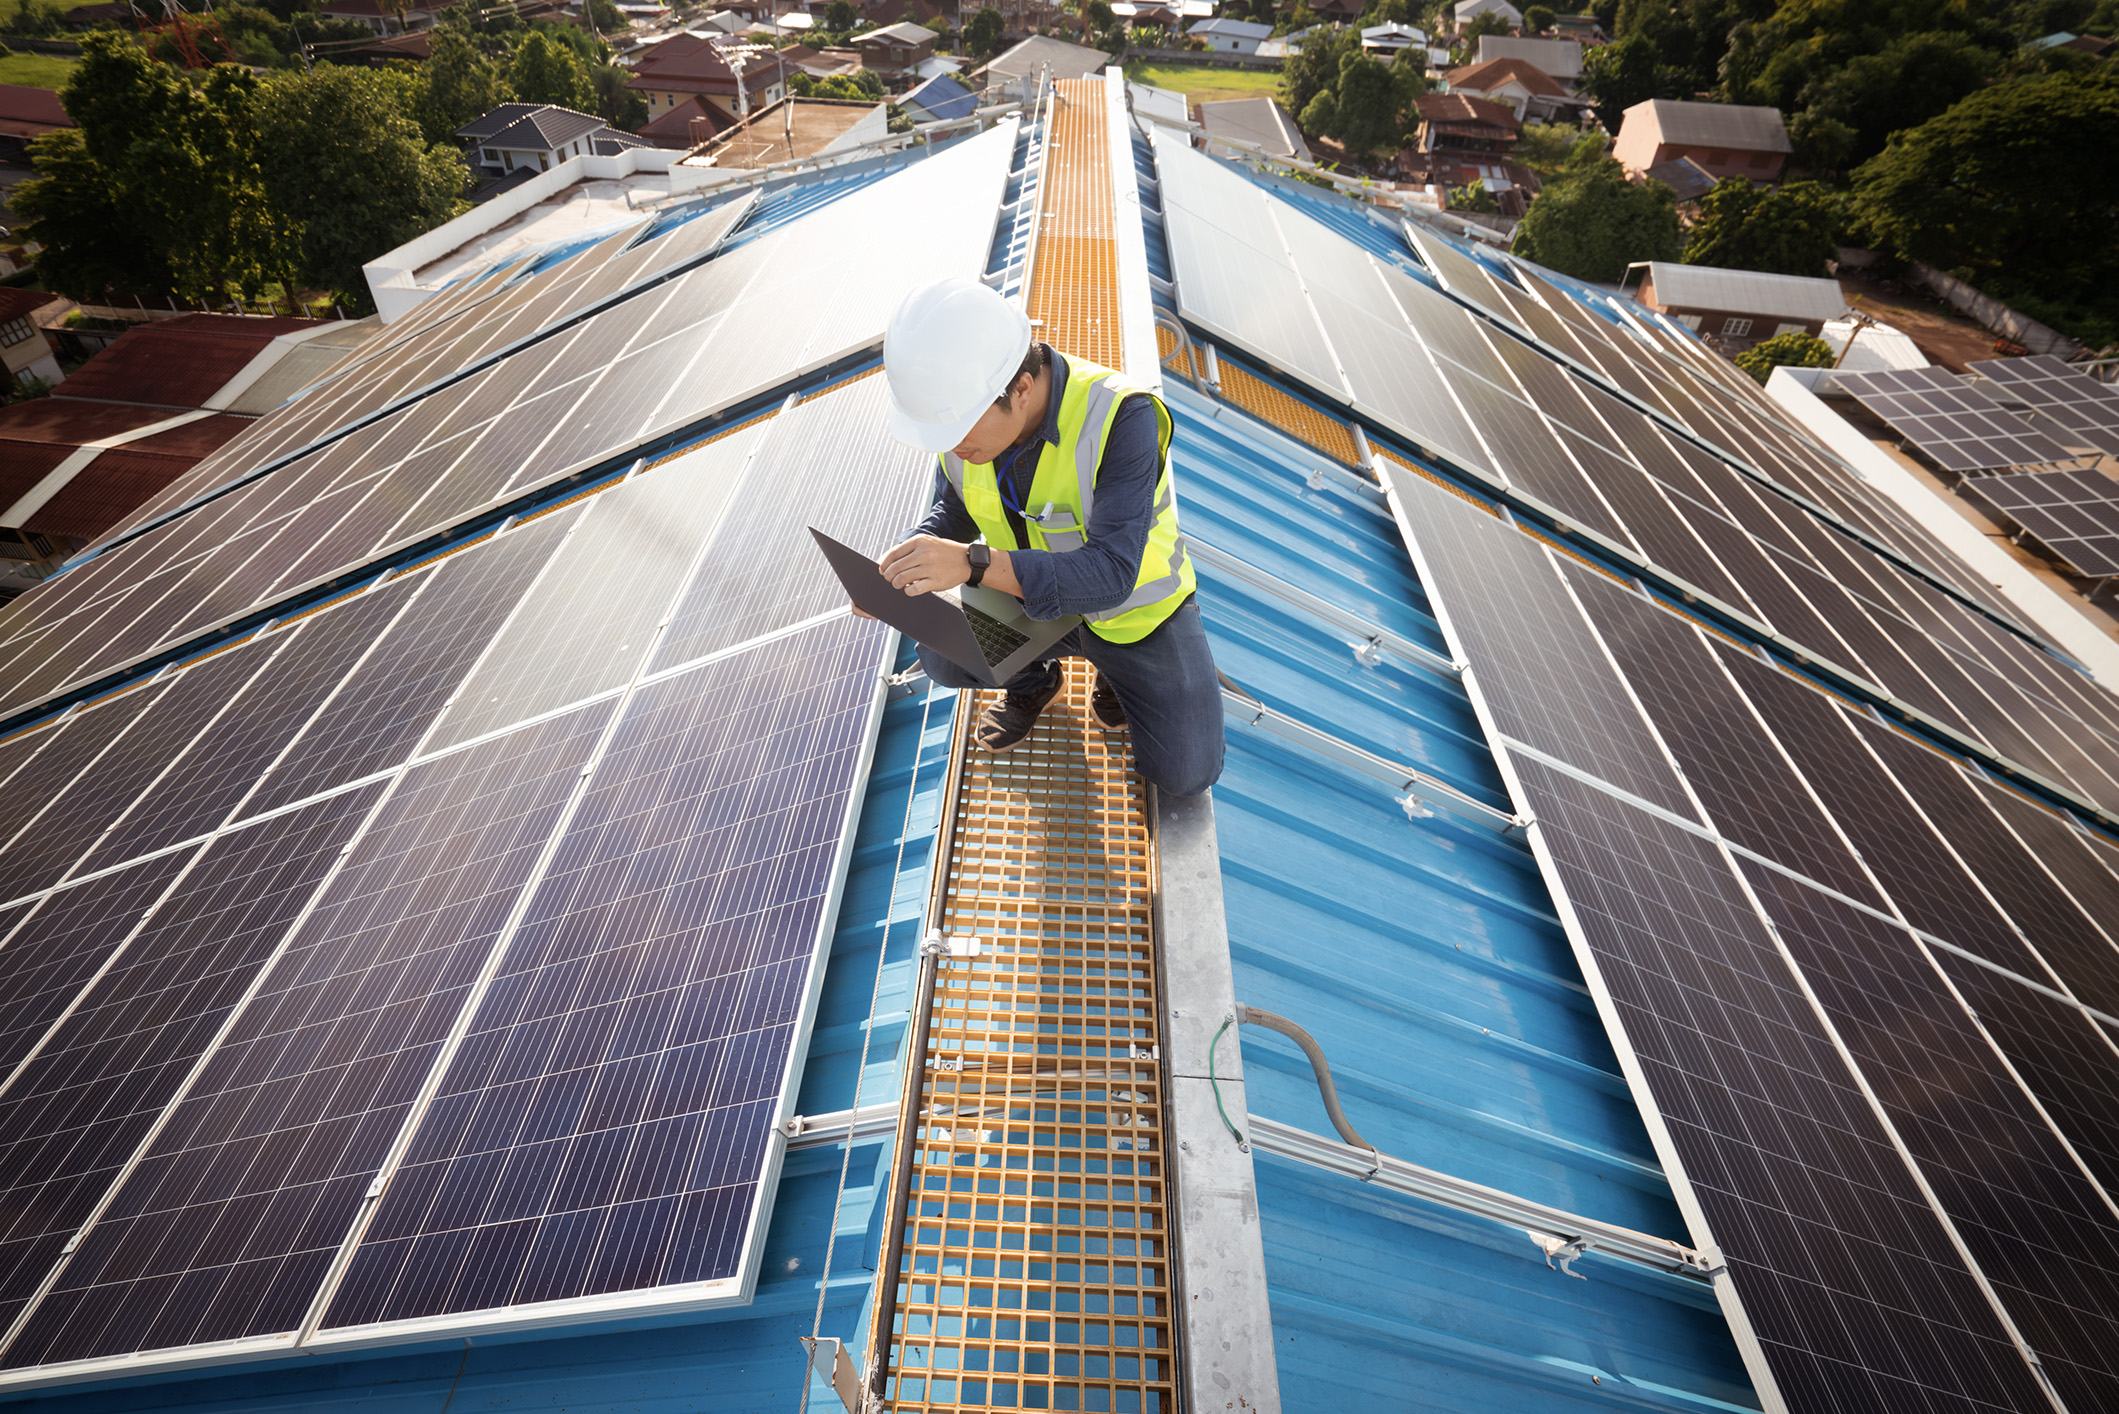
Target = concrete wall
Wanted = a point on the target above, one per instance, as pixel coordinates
(1992, 314)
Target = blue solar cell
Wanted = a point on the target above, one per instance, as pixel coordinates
(602, 1127)
(77, 1112)
(227, 1225)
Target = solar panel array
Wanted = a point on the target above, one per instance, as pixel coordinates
(441, 957)
(2085, 411)
(1773, 894)
(1952, 423)
(2075, 514)
(1613, 433)
(532, 409)
(1861, 988)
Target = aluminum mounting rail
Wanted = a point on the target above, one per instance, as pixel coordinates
(1562, 1236)
(1422, 794)
(1382, 639)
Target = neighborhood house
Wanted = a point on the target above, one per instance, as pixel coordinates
(1723, 139)
(1738, 308)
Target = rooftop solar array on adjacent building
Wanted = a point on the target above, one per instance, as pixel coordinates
(2074, 513)
(1860, 985)
(2085, 411)
(1953, 424)
(438, 956)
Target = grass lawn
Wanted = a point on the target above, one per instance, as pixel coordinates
(1205, 83)
(37, 70)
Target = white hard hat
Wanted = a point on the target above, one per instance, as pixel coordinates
(951, 349)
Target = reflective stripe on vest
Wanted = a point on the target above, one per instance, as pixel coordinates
(1065, 525)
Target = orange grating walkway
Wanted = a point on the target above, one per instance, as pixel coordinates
(1035, 1270)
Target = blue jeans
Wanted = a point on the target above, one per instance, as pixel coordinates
(1166, 682)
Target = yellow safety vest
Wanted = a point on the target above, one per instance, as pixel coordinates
(1064, 490)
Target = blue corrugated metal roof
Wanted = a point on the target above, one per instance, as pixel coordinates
(1426, 957)
(680, 1364)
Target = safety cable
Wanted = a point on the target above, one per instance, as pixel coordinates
(868, 1031)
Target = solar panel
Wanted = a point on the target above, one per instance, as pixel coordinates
(73, 1115)
(2031, 1218)
(1822, 833)
(2085, 411)
(758, 317)
(2076, 514)
(588, 626)
(225, 1227)
(1951, 424)
(605, 1126)
(1844, 1275)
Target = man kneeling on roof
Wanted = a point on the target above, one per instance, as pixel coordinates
(1053, 485)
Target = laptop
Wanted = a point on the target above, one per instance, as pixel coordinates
(981, 630)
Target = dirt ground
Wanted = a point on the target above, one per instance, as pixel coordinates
(1940, 332)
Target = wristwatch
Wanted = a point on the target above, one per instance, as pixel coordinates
(981, 556)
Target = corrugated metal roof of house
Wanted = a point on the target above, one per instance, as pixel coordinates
(1745, 291)
(679, 1365)
(1748, 127)
(1427, 960)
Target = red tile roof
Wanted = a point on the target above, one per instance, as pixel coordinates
(685, 64)
(15, 303)
(22, 104)
(1484, 78)
(122, 479)
(1455, 110)
(62, 421)
(175, 363)
(674, 128)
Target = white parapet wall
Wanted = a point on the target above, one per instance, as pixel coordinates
(2047, 611)
(390, 276)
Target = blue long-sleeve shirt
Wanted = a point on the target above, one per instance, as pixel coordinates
(1101, 574)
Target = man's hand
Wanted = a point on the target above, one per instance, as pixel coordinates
(927, 563)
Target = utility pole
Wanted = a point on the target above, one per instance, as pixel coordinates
(1860, 322)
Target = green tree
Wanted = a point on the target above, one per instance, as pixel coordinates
(1366, 108)
(546, 71)
(1791, 350)
(459, 83)
(983, 34)
(158, 190)
(1592, 223)
(2015, 187)
(1912, 79)
(1787, 230)
(1315, 67)
(1536, 19)
(345, 161)
(1627, 71)
(839, 15)
(616, 104)
(1484, 23)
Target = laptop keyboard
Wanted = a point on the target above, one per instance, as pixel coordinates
(996, 639)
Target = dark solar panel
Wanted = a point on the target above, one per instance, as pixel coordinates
(1845, 1273)
(1955, 427)
(589, 626)
(2084, 409)
(1541, 673)
(226, 1227)
(203, 785)
(603, 1126)
(387, 704)
(51, 847)
(2031, 1217)
(2075, 514)
(76, 1113)
(1932, 891)
(56, 949)
(1750, 791)
(825, 463)
(80, 740)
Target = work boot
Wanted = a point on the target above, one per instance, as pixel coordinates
(1009, 720)
(1104, 705)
